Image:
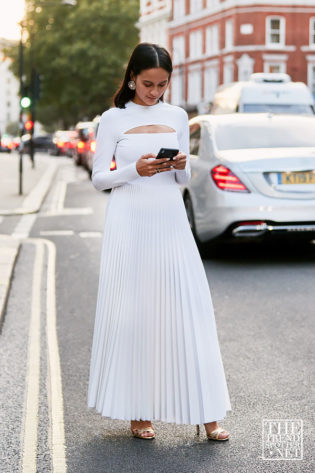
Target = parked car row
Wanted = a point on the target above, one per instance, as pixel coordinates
(8, 143)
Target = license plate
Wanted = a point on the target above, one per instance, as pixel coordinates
(306, 177)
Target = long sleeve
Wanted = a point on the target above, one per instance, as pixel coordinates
(106, 140)
(182, 176)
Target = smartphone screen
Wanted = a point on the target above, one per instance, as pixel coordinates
(167, 153)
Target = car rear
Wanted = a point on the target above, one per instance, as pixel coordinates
(264, 190)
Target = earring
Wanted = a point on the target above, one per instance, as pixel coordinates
(132, 85)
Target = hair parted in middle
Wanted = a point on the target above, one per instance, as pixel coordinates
(144, 56)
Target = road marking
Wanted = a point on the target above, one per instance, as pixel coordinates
(57, 430)
(24, 226)
(33, 370)
(56, 232)
(68, 211)
(58, 196)
(90, 234)
(35, 198)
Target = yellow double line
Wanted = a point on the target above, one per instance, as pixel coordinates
(30, 424)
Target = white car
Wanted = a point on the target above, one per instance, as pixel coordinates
(251, 175)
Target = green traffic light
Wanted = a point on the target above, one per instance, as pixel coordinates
(25, 102)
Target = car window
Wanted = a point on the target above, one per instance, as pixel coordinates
(266, 134)
(279, 108)
(195, 131)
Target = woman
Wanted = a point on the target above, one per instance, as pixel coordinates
(155, 352)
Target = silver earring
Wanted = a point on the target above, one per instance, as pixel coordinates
(132, 85)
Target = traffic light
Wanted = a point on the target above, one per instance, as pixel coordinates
(29, 125)
(25, 102)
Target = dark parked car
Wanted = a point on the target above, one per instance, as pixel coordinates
(41, 143)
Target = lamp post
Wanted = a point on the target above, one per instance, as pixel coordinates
(32, 99)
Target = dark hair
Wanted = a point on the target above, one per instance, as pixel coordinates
(144, 56)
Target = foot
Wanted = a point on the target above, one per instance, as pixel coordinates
(211, 426)
(138, 428)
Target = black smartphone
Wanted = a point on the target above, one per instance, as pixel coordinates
(167, 153)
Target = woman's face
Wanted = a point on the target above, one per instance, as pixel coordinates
(150, 85)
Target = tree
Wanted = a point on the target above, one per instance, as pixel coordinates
(79, 53)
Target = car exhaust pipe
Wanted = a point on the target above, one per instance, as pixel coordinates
(257, 229)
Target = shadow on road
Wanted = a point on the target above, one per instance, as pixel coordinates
(262, 252)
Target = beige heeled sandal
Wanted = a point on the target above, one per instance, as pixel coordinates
(214, 434)
(138, 433)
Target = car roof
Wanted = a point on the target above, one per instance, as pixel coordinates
(248, 119)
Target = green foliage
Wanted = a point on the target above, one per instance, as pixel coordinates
(80, 53)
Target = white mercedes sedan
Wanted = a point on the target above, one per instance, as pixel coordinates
(252, 176)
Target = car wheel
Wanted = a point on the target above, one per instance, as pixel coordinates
(77, 159)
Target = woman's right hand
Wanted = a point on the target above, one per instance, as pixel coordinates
(146, 166)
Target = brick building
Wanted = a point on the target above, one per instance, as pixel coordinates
(153, 21)
(217, 41)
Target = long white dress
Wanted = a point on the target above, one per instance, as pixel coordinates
(155, 351)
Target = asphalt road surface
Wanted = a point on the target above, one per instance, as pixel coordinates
(264, 300)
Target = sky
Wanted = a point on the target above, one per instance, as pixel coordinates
(11, 11)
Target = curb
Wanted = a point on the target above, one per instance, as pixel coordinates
(34, 199)
(9, 250)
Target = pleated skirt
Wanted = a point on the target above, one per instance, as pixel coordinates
(155, 350)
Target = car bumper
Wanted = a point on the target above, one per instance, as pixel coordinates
(258, 219)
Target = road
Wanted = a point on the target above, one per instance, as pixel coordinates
(264, 302)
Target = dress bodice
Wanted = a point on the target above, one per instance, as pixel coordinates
(115, 138)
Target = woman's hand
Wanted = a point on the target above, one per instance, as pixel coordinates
(147, 165)
(179, 161)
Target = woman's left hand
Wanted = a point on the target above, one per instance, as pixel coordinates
(179, 161)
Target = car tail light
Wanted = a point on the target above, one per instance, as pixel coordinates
(93, 146)
(113, 165)
(81, 146)
(226, 180)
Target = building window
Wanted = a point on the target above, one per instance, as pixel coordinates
(312, 32)
(177, 89)
(275, 31)
(178, 50)
(229, 34)
(179, 8)
(312, 79)
(211, 82)
(275, 63)
(311, 73)
(245, 67)
(194, 86)
(228, 70)
(212, 40)
(195, 44)
(195, 5)
(212, 4)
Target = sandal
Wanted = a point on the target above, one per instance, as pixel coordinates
(214, 434)
(138, 433)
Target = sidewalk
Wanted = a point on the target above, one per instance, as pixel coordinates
(9, 249)
(36, 183)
